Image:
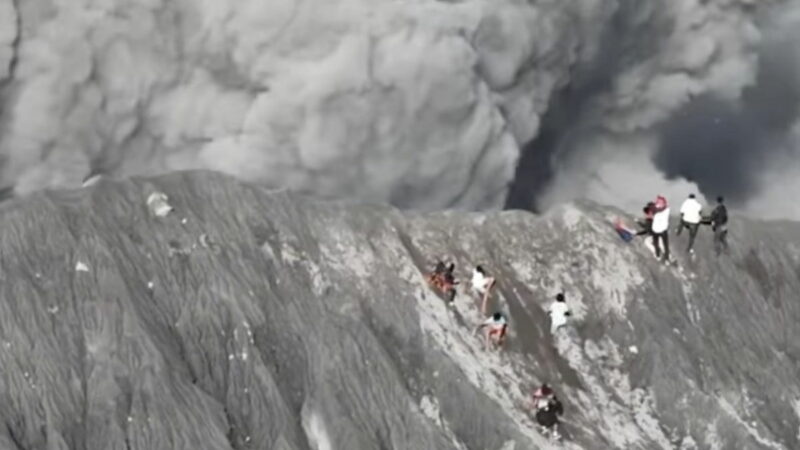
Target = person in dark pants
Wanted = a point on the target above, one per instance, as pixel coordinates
(690, 219)
(660, 229)
(719, 223)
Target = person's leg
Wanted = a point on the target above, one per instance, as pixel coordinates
(451, 293)
(558, 321)
(718, 240)
(555, 433)
(486, 293)
(724, 238)
(693, 228)
(480, 291)
(657, 244)
(680, 228)
(497, 337)
(665, 238)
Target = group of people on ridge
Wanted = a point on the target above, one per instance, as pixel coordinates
(656, 221)
(546, 404)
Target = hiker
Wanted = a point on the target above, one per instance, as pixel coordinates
(690, 219)
(660, 228)
(625, 233)
(646, 222)
(719, 224)
(443, 280)
(483, 284)
(559, 311)
(498, 326)
(548, 409)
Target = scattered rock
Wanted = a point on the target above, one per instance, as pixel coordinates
(158, 202)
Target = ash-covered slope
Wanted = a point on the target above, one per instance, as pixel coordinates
(266, 320)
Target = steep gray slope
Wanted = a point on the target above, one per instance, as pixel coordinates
(299, 324)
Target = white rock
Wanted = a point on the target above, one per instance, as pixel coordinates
(91, 181)
(158, 204)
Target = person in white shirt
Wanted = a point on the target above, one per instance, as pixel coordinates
(497, 327)
(559, 311)
(661, 228)
(483, 284)
(691, 215)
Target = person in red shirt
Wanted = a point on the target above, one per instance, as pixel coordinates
(542, 395)
(548, 409)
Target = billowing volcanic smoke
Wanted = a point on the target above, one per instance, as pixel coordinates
(698, 108)
(431, 104)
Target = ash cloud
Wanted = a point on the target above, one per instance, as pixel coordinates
(708, 110)
(575, 112)
(725, 146)
(430, 105)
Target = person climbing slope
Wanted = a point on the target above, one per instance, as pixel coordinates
(625, 233)
(559, 311)
(691, 216)
(661, 228)
(548, 409)
(497, 328)
(483, 284)
(719, 224)
(646, 222)
(443, 280)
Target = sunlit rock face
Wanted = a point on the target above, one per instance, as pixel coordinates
(249, 318)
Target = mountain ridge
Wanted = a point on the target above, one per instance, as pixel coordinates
(251, 318)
